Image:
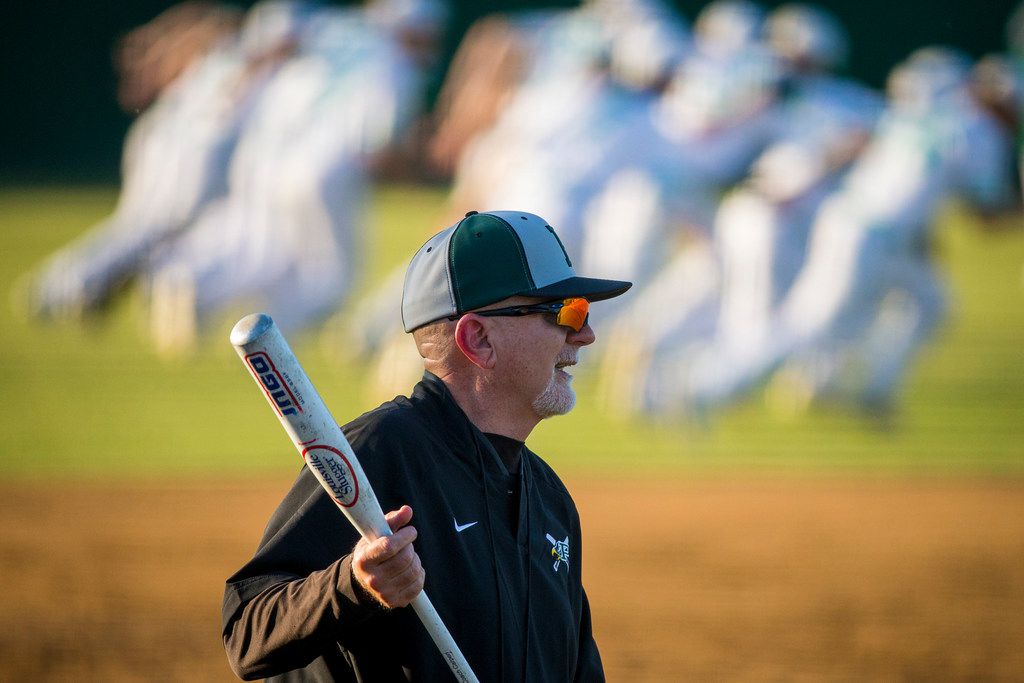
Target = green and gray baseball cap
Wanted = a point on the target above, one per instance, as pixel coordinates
(487, 257)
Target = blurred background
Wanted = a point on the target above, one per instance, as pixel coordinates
(809, 406)
(68, 125)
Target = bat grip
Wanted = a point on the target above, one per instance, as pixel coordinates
(442, 638)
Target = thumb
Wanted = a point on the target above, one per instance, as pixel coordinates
(396, 519)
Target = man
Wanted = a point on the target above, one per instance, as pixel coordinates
(497, 313)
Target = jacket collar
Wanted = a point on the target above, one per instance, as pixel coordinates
(432, 396)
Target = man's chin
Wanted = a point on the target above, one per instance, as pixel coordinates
(557, 399)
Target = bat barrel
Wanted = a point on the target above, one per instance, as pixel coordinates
(304, 416)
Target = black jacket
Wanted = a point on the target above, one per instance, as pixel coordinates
(507, 584)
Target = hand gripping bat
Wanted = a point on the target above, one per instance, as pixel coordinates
(327, 452)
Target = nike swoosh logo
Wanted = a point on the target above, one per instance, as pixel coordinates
(462, 527)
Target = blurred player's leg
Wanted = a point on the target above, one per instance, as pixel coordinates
(675, 311)
(899, 332)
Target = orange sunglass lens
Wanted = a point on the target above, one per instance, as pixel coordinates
(574, 313)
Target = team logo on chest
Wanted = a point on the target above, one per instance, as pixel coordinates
(559, 551)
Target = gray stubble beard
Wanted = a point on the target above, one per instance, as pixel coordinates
(556, 399)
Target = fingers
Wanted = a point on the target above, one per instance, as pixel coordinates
(388, 568)
(398, 590)
(388, 547)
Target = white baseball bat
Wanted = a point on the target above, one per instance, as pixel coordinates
(327, 453)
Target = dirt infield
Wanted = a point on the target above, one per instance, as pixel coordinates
(782, 579)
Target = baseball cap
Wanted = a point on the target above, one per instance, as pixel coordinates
(487, 257)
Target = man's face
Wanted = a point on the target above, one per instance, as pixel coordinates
(535, 354)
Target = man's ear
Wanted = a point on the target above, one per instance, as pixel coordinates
(471, 336)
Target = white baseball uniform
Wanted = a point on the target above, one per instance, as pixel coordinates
(287, 235)
(870, 240)
(762, 228)
(175, 161)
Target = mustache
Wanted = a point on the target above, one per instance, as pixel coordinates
(570, 356)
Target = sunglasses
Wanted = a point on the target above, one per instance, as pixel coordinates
(572, 312)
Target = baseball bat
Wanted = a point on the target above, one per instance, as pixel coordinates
(327, 453)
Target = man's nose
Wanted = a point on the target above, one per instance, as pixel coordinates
(582, 338)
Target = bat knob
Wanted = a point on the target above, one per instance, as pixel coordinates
(250, 328)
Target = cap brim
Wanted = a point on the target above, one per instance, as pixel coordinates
(592, 289)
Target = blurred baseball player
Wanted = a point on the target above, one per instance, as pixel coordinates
(196, 87)
(870, 240)
(760, 229)
(823, 122)
(287, 236)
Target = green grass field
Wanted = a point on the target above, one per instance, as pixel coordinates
(94, 399)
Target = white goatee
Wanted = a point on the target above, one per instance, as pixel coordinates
(558, 397)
